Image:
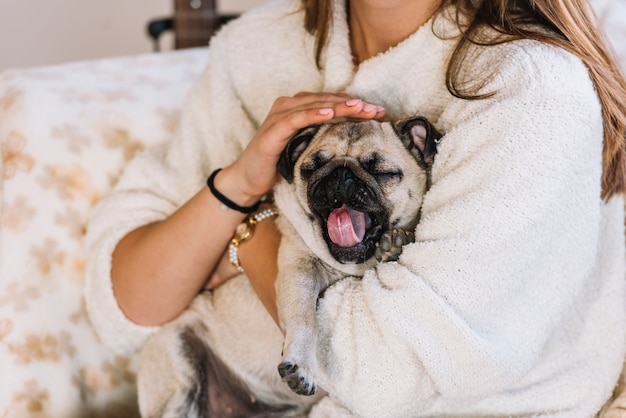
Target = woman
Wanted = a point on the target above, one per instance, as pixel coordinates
(511, 301)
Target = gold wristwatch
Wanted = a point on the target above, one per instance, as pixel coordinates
(244, 231)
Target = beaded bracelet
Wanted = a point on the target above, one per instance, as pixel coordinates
(226, 202)
(244, 232)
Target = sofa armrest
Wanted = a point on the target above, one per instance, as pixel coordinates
(65, 133)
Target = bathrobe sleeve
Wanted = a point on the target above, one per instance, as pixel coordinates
(503, 255)
(213, 130)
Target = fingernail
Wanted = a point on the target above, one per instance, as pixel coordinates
(369, 107)
(325, 112)
(353, 102)
(380, 108)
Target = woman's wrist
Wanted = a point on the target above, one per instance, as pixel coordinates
(245, 231)
(230, 184)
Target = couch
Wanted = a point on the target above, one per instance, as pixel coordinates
(66, 131)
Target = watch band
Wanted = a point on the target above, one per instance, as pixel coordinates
(244, 231)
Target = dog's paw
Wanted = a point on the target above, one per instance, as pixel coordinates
(300, 380)
(391, 243)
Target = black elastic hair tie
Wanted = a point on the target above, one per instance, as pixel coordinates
(226, 201)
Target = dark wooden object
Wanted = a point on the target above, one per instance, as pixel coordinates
(195, 21)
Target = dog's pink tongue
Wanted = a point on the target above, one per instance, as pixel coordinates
(346, 227)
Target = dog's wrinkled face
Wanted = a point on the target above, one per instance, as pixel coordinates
(357, 179)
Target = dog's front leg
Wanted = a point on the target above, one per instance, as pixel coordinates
(300, 280)
(298, 290)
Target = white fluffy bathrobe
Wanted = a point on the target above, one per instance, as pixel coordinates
(510, 303)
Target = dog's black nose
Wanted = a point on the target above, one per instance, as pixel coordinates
(343, 174)
(341, 184)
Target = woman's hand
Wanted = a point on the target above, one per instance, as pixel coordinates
(254, 172)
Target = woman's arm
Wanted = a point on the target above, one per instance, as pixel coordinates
(169, 261)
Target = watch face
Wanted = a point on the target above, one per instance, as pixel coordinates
(243, 231)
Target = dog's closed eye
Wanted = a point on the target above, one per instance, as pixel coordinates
(383, 176)
(376, 166)
(317, 161)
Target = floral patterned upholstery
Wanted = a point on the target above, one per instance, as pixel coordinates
(65, 133)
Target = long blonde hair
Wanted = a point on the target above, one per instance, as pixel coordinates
(568, 24)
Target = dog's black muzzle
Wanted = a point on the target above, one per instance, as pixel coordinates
(343, 186)
(360, 194)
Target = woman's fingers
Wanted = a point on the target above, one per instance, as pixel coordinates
(342, 105)
(308, 99)
(276, 135)
(357, 108)
(289, 114)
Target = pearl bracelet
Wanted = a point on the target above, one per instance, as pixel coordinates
(244, 232)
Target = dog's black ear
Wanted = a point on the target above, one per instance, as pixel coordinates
(419, 134)
(294, 149)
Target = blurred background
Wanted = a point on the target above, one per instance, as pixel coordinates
(44, 32)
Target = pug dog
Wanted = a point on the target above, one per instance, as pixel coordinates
(350, 198)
